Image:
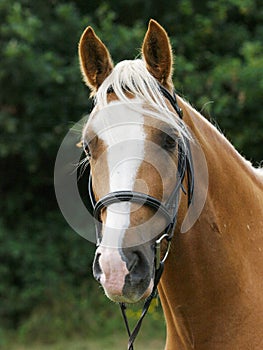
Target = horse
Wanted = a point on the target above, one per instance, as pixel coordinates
(140, 141)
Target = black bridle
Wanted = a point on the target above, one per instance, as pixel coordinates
(168, 209)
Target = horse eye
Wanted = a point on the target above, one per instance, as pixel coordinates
(170, 141)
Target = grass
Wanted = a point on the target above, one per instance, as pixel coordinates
(115, 342)
(109, 334)
(85, 320)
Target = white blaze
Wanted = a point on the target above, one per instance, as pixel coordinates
(122, 131)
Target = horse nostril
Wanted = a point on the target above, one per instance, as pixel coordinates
(140, 273)
(133, 263)
(97, 272)
(137, 265)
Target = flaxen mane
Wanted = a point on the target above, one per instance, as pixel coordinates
(132, 76)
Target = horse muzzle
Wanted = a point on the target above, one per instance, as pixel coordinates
(126, 275)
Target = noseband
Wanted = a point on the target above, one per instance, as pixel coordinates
(168, 209)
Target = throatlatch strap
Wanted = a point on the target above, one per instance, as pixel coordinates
(134, 333)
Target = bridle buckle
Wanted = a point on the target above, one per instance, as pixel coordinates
(158, 243)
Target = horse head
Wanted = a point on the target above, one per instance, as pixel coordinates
(137, 148)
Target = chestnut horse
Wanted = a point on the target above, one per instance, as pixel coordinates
(211, 289)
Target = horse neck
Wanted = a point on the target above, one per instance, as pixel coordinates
(234, 186)
(213, 276)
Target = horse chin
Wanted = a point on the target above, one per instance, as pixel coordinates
(130, 297)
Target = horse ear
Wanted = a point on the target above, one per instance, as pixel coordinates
(95, 60)
(157, 53)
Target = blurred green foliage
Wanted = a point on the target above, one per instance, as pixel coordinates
(218, 67)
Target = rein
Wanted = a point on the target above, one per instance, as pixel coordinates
(184, 166)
